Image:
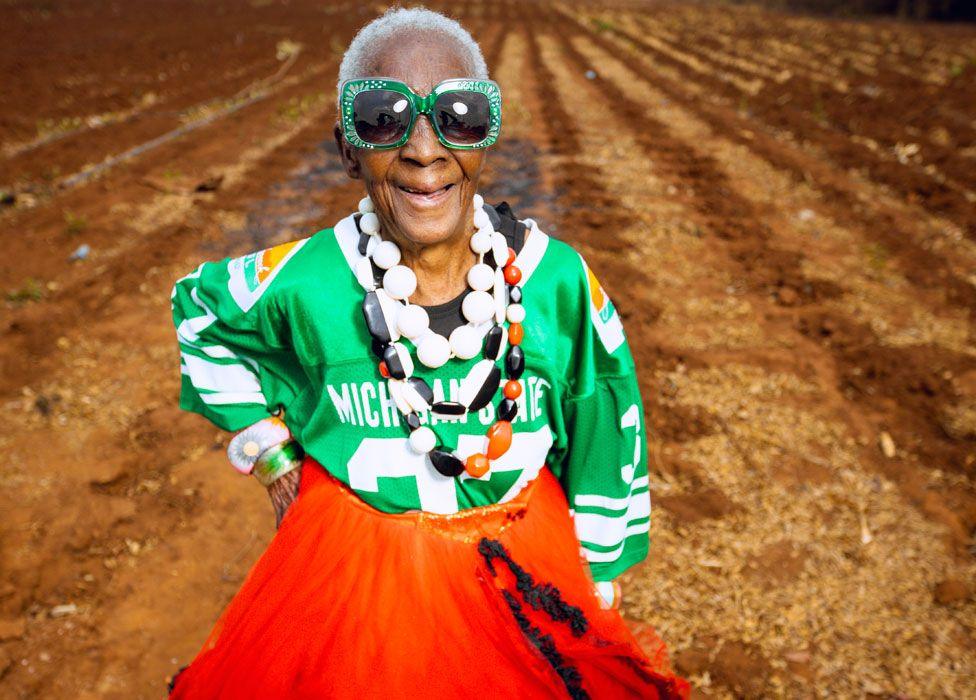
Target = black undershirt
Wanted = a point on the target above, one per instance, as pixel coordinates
(445, 317)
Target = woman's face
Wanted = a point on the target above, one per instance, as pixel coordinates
(421, 191)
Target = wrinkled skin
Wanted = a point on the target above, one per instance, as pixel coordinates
(433, 237)
(283, 492)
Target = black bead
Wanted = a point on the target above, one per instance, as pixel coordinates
(375, 321)
(493, 342)
(445, 463)
(515, 293)
(378, 347)
(363, 243)
(448, 408)
(515, 362)
(422, 388)
(487, 389)
(507, 410)
(392, 359)
(413, 420)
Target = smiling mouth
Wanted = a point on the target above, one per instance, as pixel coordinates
(425, 195)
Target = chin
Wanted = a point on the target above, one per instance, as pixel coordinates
(429, 230)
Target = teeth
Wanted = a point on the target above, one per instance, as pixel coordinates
(413, 191)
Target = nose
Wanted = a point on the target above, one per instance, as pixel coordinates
(423, 148)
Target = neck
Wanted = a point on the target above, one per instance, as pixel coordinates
(441, 268)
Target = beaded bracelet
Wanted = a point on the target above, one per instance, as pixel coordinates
(277, 461)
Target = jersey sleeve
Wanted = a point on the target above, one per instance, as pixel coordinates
(604, 472)
(233, 341)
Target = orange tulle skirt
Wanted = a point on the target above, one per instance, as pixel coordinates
(349, 602)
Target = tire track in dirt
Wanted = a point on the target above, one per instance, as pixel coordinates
(918, 250)
(177, 96)
(759, 436)
(938, 197)
(588, 215)
(78, 293)
(882, 382)
(906, 59)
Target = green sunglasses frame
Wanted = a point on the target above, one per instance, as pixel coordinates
(420, 105)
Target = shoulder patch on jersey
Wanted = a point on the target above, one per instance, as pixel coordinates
(603, 314)
(252, 274)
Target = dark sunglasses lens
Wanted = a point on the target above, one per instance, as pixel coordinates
(463, 117)
(381, 116)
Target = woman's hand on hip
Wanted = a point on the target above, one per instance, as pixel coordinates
(283, 491)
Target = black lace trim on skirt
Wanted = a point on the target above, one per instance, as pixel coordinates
(547, 598)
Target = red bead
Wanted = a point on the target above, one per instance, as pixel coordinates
(499, 439)
(511, 256)
(384, 370)
(515, 334)
(476, 465)
(512, 274)
(513, 389)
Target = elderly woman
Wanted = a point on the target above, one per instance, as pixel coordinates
(475, 473)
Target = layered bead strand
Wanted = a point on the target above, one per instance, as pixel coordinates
(390, 316)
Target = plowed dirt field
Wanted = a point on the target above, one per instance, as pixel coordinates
(783, 209)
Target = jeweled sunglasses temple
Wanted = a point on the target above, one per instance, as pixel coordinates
(380, 113)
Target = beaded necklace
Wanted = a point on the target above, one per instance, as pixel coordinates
(495, 297)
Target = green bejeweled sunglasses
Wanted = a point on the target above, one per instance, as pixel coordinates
(380, 113)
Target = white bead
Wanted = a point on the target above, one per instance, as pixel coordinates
(465, 342)
(500, 296)
(478, 201)
(364, 274)
(481, 241)
(369, 223)
(481, 277)
(400, 282)
(471, 385)
(477, 307)
(433, 350)
(417, 402)
(371, 244)
(386, 254)
(396, 391)
(413, 321)
(499, 248)
(365, 205)
(405, 360)
(391, 311)
(423, 440)
(515, 313)
(481, 218)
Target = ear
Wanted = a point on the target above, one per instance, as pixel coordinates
(348, 154)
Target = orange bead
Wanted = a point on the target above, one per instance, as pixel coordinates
(511, 256)
(476, 465)
(515, 334)
(499, 439)
(384, 370)
(512, 274)
(513, 389)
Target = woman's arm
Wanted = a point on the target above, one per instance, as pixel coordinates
(234, 354)
(283, 492)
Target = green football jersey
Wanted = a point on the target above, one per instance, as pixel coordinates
(283, 328)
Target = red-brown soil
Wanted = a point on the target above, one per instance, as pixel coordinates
(783, 209)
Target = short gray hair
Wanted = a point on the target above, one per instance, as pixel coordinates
(356, 61)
